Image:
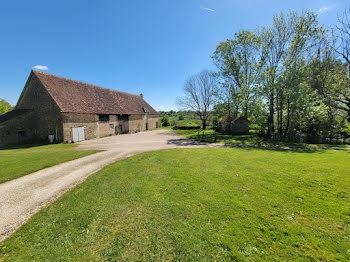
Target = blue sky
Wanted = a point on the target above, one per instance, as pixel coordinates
(133, 46)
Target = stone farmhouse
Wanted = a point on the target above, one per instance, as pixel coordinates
(57, 109)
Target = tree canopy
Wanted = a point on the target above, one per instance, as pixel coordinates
(287, 77)
(5, 106)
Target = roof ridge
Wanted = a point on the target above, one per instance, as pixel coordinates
(95, 86)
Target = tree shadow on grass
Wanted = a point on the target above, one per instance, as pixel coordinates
(252, 142)
(183, 142)
(301, 149)
(186, 142)
(21, 146)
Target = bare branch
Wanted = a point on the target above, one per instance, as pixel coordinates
(199, 94)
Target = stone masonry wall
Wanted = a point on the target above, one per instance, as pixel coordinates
(137, 123)
(9, 130)
(95, 129)
(45, 118)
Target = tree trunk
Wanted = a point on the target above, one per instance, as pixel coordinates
(246, 109)
(270, 121)
(278, 115)
(280, 120)
(288, 115)
(204, 123)
(331, 124)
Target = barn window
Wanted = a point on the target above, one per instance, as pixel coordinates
(103, 118)
(123, 117)
(111, 126)
(22, 133)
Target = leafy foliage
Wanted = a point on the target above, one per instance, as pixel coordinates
(346, 129)
(286, 78)
(165, 120)
(5, 106)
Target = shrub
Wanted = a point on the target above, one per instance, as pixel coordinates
(165, 121)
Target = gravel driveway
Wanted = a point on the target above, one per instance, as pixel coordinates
(23, 197)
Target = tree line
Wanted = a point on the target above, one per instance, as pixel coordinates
(291, 79)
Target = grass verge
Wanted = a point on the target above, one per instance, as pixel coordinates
(198, 204)
(18, 162)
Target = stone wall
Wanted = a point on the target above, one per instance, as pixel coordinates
(153, 122)
(96, 129)
(137, 123)
(70, 120)
(46, 118)
(37, 125)
(9, 130)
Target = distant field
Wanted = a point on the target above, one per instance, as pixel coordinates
(18, 162)
(217, 204)
(188, 120)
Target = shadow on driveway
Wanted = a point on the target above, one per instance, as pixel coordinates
(186, 142)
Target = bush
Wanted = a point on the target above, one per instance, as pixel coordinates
(181, 117)
(165, 121)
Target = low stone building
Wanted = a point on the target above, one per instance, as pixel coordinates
(53, 108)
(234, 125)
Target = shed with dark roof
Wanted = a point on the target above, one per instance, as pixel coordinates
(66, 110)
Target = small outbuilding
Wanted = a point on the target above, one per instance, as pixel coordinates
(238, 125)
(57, 109)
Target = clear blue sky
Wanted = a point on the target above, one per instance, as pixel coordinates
(134, 46)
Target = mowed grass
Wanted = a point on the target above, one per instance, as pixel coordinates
(198, 205)
(18, 162)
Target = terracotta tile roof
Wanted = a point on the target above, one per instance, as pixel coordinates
(77, 97)
(14, 113)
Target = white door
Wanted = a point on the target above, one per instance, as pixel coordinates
(78, 134)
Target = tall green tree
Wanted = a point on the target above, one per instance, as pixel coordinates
(237, 62)
(5, 106)
(284, 48)
(288, 73)
(343, 49)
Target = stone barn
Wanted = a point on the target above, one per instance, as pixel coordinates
(57, 109)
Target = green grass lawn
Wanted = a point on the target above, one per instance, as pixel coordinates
(198, 205)
(18, 162)
(210, 137)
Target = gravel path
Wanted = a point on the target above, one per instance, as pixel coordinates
(23, 197)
